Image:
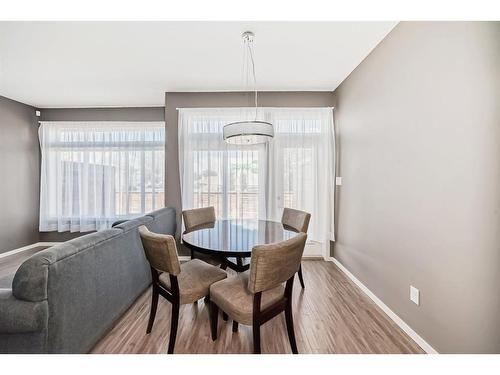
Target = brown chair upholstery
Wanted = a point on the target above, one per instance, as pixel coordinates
(273, 264)
(198, 216)
(194, 280)
(258, 295)
(161, 251)
(233, 296)
(297, 221)
(177, 283)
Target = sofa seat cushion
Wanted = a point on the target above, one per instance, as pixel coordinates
(233, 297)
(194, 280)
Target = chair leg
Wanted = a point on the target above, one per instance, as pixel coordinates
(214, 317)
(289, 326)
(224, 316)
(223, 264)
(173, 326)
(154, 306)
(235, 326)
(300, 277)
(256, 338)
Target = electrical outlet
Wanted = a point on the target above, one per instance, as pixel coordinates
(414, 295)
(338, 181)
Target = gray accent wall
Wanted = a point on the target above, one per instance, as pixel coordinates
(96, 114)
(418, 126)
(19, 168)
(174, 100)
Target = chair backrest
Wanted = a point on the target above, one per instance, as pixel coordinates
(275, 263)
(161, 251)
(198, 216)
(296, 219)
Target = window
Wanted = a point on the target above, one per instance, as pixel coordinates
(295, 169)
(229, 181)
(94, 173)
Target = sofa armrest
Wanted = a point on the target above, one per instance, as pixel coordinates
(17, 316)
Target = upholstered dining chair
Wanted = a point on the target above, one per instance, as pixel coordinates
(258, 295)
(298, 221)
(178, 283)
(198, 218)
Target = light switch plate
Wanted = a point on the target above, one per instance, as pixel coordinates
(414, 295)
(37, 113)
(338, 181)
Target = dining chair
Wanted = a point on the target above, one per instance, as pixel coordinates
(258, 295)
(179, 284)
(297, 221)
(198, 218)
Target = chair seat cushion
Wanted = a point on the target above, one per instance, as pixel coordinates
(233, 297)
(194, 280)
(208, 259)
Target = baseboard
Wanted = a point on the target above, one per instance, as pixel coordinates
(391, 314)
(28, 247)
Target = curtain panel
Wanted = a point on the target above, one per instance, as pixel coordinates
(295, 169)
(94, 173)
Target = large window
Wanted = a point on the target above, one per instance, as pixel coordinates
(94, 173)
(294, 170)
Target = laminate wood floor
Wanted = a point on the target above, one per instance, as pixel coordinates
(332, 315)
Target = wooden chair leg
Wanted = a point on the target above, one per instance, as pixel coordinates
(224, 316)
(214, 317)
(300, 277)
(154, 306)
(173, 326)
(289, 326)
(235, 326)
(223, 264)
(256, 338)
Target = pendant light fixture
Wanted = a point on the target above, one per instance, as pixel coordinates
(249, 132)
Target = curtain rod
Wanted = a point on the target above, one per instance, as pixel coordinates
(179, 108)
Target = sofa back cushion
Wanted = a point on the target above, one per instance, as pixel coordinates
(90, 281)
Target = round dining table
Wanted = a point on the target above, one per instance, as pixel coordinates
(231, 241)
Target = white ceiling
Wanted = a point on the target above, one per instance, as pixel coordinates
(98, 64)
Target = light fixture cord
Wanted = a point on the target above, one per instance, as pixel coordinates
(250, 50)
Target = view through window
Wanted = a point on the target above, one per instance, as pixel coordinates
(95, 173)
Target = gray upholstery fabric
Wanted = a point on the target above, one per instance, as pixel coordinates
(164, 221)
(82, 286)
(21, 316)
(135, 223)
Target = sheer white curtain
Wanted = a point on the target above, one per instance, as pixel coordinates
(93, 173)
(213, 173)
(296, 169)
(300, 168)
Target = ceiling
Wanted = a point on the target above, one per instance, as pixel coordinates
(100, 64)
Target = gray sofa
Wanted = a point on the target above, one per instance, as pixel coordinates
(65, 298)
